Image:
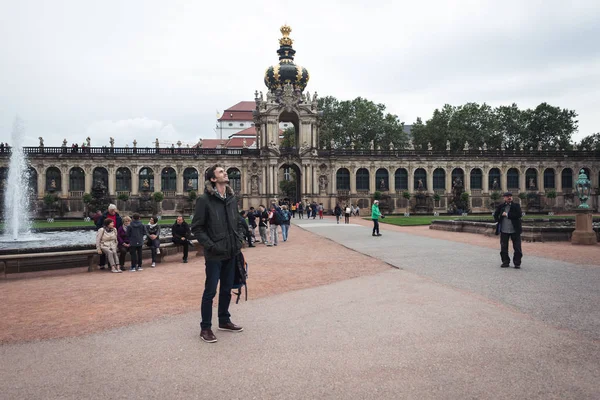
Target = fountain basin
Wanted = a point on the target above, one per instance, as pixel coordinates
(534, 230)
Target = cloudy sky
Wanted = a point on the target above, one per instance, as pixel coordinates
(144, 69)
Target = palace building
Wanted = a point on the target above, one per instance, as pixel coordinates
(249, 147)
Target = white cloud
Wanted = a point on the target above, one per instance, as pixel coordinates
(125, 131)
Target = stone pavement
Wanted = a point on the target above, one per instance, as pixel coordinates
(433, 329)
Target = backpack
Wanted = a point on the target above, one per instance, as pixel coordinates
(280, 216)
(240, 277)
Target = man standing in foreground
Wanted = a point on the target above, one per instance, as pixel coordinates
(215, 226)
(508, 216)
(375, 215)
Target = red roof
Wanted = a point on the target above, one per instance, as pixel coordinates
(235, 143)
(242, 111)
(243, 106)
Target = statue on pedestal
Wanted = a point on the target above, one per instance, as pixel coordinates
(447, 145)
(466, 148)
(156, 144)
(429, 146)
(112, 142)
(41, 141)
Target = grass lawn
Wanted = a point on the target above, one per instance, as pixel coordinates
(426, 219)
(82, 223)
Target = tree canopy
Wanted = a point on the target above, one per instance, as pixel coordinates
(590, 142)
(358, 121)
(478, 124)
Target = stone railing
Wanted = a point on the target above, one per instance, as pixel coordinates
(128, 151)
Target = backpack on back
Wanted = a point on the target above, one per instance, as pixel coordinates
(280, 216)
(240, 277)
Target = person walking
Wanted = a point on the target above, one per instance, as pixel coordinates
(338, 213)
(285, 225)
(293, 209)
(273, 224)
(106, 242)
(263, 220)
(375, 215)
(252, 223)
(153, 236)
(320, 208)
(113, 215)
(300, 211)
(347, 213)
(180, 233)
(136, 232)
(123, 240)
(508, 217)
(215, 226)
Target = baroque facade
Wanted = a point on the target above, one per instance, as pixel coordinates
(327, 175)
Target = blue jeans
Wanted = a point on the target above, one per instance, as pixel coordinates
(284, 231)
(216, 270)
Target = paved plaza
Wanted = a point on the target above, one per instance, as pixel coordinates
(442, 321)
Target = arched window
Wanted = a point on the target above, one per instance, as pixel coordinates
(100, 176)
(566, 177)
(458, 174)
(420, 179)
(401, 179)
(190, 179)
(146, 176)
(342, 179)
(53, 181)
(362, 179)
(76, 180)
(531, 179)
(439, 179)
(382, 179)
(512, 178)
(123, 179)
(476, 179)
(235, 179)
(168, 180)
(33, 181)
(494, 179)
(549, 181)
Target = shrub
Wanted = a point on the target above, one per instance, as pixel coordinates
(551, 194)
(523, 195)
(50, 199)
(158, 197)
(464, 196)
(406, 195)
(87, 198)
(192, 195)
(123, 197)
(436, 197)
(377, 195)
(495, 196)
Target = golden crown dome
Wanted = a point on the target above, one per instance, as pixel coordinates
(285, 40)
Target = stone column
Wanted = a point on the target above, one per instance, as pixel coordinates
(522, 182)
(392, 182)
(558, 180)
(448, 188)
(467, 181)
(157, 179)
(41, 182)
(503, 180)
(332, 182)
(179, 185)
(352, 181)
(135, 181)
(411, 180)
(64, 182)
(112, 180)
(485, 181)
(315, 181)
(264, 181)
(372, 178)
(540, 181)
(275, 180)
(429, 180)
(89, 177)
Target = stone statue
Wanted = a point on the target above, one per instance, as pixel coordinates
(531, 183)
(88, 141)
(391, 146)
(146, 184)
(190, 184)
(539, 148)
(179, 143)
(200, 143)
(244, 144)
(411, 146)
(420, 184)
(382, 185)
(447, 145)
(557, 147)
(53, 184)
(323, 181)
(304, 146)
(314, 99)
(378, 147)
(372, 145)
(308, 97)
(457, 182)
(466, 148)
(429, 146)
(593, 147)
(331, 144)
(521, 146)
(352, 145)
(156, 143)
(502, 146)
(64, 143)
(574, 147)
(256, 94)
(484, 146)
(273, 145)
(254, 184)
(134, 143)
(495, 184)
(269, 97)
(41, 141)
(112, 142)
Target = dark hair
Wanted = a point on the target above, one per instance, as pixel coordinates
(262, 206)
(136, 216)
(210, 173)
(107, 221)
(252, 208)
(242, 213)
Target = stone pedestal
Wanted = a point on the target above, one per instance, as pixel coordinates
(584, 233)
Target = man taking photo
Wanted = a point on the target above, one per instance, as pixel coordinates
(508, 216)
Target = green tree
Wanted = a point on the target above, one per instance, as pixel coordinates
(358, 121)
(289, 137)
(590, 141)
(550, 125)
(511, 122)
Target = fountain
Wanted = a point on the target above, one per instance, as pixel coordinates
(16, 196)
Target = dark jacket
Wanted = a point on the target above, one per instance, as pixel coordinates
(122, 237)
(263, 218)
(100, 221)
(136, 232)
(243, 228)
(180, 231)
(252, 218)
(215, 224)
(337, 211)
(514, 214)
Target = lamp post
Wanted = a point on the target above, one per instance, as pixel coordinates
(584, 232)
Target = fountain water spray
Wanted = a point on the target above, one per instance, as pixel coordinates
(16, 194)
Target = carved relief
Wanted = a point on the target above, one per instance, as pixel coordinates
(254, 185)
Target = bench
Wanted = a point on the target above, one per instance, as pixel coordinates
(18, 258)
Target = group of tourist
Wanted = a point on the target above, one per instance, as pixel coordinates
(116, 237)
(266, 220)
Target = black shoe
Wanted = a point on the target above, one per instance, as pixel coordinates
(251, 245)
(208, 336)
(230, 326)
(379, 234)
(517, 266)
(374, 235)
(504, 266)
(185, 260)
